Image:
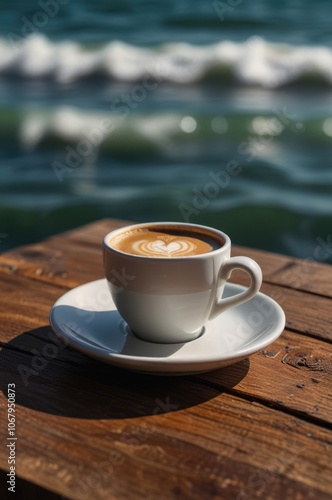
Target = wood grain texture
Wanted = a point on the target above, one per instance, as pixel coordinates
(189, 439)
(257, 429)
(310, 274)
(295, 358)
(65, 260)
(293, 374)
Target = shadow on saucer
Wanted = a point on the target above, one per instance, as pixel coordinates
(110, 332)
(53, 378)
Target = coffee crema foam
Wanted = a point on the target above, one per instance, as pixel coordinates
(168, 244)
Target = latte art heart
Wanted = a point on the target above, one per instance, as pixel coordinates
(164, 249)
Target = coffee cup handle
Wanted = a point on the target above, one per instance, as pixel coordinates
(245, 264)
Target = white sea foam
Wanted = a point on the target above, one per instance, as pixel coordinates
(254, 62)
(72, 125)
(160, 131)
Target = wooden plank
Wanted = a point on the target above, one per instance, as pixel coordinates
(56, 262)
(94, 232)
(68, 260)
(244, 449)
(25, 305)
(309, 275)
(24, 327)
(293, 374)
(64, 259)
(132, 431)
(306, 313)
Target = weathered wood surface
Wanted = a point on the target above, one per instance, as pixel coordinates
(257, 429)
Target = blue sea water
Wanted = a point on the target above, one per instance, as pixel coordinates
(217, 113)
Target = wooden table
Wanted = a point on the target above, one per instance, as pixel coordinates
(257, 429)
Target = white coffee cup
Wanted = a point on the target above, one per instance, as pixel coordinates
(169, 299)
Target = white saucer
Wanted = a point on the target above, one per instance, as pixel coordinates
(87, 319)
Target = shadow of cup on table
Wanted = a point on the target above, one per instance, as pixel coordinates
(53, 378)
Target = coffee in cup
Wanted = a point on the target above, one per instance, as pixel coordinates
(164, 243)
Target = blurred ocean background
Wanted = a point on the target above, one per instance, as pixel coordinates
(217, 113)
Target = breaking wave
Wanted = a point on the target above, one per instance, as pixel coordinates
(255, 62)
